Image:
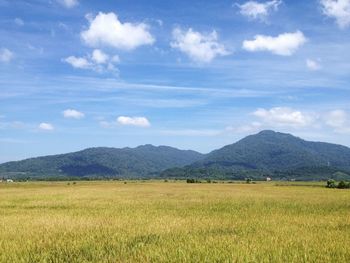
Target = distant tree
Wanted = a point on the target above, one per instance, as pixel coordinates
(331, 184)
(190, 181)
(343, 185)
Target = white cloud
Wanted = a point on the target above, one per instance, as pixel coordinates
(106, 29)
(97, 61)
(5, 55)
(339, 10)
(284, 44)
(199, 47)
(284, 116)
(133, 121)
(46, 126)
(99, 57)
(69, 3)
(339, 120)
(78, 62)
(73, 114)
(336, 118)
(19, 22)
(256, 10)
(313, 65)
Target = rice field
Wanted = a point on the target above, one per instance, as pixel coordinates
(173, 222)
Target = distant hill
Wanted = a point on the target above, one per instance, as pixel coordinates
(142, 161)
(274, 154)
(268, 153)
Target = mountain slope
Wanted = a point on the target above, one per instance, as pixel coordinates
(279, 151)
(268, 153)
(143, 161)
(271, 153)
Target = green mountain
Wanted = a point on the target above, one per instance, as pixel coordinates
(272, 154)
(142, 161)
(268, 153)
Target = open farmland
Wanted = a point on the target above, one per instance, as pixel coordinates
(173, 222)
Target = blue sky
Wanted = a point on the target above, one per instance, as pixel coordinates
(193, 75)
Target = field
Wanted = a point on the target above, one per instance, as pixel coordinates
(173, 222)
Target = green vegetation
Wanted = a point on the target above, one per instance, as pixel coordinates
(340, 185)
(271, 154)
(266, 154)
(143, 161)
(173, 222)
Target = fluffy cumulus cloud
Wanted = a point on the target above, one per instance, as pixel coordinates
(78, 62)
(73, 114)
(199, 47)
(107, 30)
(339, 10)
(46, 126)
(283, 116)
(97, 61)
(134, 121)
(256, 10)
(69, 3)
(5, 55)
(284, 44)
(313, 65)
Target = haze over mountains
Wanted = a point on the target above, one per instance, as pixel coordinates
(268, 153)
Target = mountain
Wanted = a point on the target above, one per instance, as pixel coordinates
(270, 153)
(142, 161)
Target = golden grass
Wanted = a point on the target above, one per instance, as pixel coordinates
(173, 222)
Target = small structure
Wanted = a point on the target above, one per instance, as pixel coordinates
(268, 179)
(9, 181)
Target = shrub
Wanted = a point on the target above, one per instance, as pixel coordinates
(193, 181)
(340, 185)
(331, 184)
(343, 185)
(190, 181)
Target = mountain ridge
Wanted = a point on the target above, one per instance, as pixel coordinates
(267, 153)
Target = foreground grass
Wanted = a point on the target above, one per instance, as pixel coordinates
(173, 222)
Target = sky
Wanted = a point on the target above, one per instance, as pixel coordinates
(189, 74)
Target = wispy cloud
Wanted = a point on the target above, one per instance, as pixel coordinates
(6, 55)
(46, 126)
(68, 3)
(258, 10)
(313, 64)
(198, 46)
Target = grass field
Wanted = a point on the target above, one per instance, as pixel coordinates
(173, 222)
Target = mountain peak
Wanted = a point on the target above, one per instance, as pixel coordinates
(263, 132)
